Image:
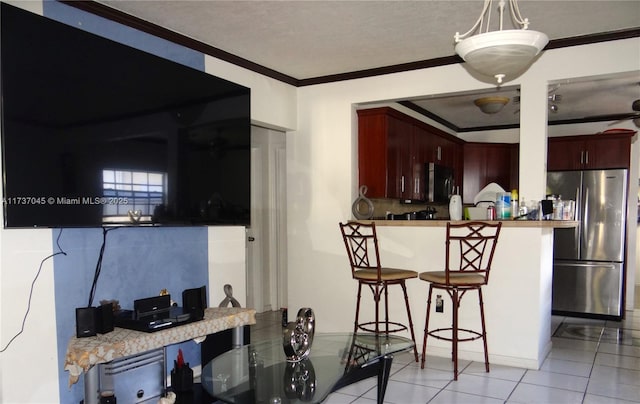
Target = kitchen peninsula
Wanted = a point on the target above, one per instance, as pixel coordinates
(517, 299)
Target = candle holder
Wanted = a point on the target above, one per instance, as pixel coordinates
(298, 336)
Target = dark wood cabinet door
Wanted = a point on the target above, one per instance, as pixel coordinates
(372, 152)
(589, 152)
(485, 163)
(565, 154)
(400, 161)
(421, 150)
(474, 171)
(608, 151)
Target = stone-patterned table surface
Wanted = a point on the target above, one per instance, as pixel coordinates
(83, 353)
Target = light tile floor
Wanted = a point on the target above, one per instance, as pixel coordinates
(592, 361)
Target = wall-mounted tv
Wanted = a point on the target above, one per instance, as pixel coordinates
(95, 133)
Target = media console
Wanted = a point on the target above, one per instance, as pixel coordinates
(83, 354)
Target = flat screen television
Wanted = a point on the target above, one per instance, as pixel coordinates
(98, 133)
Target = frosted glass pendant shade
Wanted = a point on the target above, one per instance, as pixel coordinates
(502, 54)
(491, 105)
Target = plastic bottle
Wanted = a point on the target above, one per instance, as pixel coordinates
(455, 207)
(515, 211)
(503, 205)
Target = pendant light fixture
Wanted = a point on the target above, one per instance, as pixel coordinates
(491, 105)
(503, 54)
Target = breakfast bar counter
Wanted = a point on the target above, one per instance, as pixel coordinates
(517, 298)
(550, 224)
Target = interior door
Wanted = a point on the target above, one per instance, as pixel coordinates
(266, 237)
(255, 232)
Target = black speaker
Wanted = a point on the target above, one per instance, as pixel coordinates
(86, 321)
(194, 301)
(104, 318)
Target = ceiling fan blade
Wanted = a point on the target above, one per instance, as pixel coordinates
(618, 122)
(614, 117)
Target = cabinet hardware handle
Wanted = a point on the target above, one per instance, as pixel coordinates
(582, 157)
(251, 238)
(586, 157)
(402, 184)
(439, 153)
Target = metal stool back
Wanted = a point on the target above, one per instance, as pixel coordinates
(361, 243)
(469, 253)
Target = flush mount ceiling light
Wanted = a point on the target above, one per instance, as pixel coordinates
(491, 105)
(503, 54)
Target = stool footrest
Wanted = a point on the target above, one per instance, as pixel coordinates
(382, 327)
(474, 335)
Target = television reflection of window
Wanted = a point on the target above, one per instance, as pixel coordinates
(126, 191)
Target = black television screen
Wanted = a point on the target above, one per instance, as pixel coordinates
(95, 132)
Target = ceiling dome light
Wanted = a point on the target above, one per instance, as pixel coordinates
(491, 105)
(503, 54)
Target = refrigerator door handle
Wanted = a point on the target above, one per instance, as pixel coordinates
(582, 265)
(584, 219)
(577, 215)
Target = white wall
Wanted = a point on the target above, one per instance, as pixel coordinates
(227, 263)
(20, 256)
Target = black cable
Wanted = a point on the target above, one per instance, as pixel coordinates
(98, 265)
(24, 319)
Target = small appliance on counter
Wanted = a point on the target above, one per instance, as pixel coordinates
(426, 214)
(439, 183)
(455, 206)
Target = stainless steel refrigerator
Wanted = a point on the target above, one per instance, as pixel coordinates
(588, 261)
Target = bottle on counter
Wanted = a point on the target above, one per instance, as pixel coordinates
(515, 211)
(503, 205)
(455, 207)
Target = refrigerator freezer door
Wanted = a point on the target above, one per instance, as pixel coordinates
(604, 195)
(567, 184)
(584, 287)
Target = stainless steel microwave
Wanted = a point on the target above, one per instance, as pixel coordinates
(439, 183)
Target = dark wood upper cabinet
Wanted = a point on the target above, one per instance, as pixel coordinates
(384, 142)
(393, 149)
(589, 152)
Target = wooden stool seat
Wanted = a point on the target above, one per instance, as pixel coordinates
(386, 274)
(457, 279)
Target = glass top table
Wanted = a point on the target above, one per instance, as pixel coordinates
(260, 373)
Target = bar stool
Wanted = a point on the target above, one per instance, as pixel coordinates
(469, 248)
(361, 243)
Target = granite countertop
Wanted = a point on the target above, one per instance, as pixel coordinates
(83, 353)
(554, 224)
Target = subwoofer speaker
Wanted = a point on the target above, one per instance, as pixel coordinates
(86, 322)
(194, 301)
(104, 318)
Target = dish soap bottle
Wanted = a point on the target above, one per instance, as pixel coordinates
(455, 206)
(515, 211)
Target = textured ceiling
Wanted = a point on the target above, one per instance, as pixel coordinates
(310, 39)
